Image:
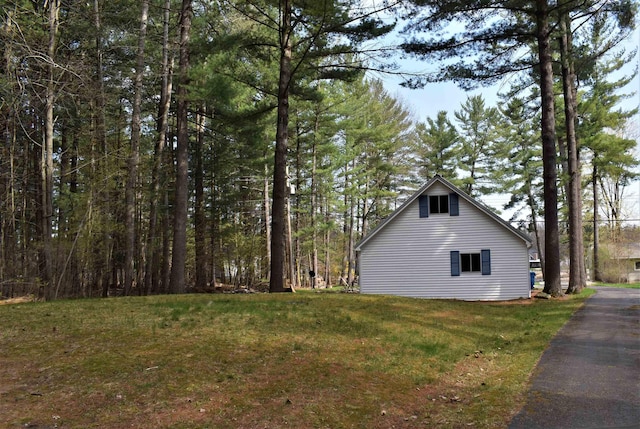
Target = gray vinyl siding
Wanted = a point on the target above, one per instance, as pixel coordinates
(410, 256)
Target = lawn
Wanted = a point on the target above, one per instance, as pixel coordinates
(303, 360)
(622, 285)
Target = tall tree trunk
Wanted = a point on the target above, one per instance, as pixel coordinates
(165, 257)
(7, 152)
(552, 242)
(364, 225)
(11, 234)
(179, 254)
(9, 267)
(278, 217)
(292, 251)
(577, 277)
(353, 202)
(134, 156)
(214, 229)
(62, 219)
(65, 162)
(345, 229)
(267, 218)
(47, 155)
(98, 208)
(200, 221)
(534, 220)
(327, 245)
(596, 276)
(293, 234)
(351, 239)
(153, 248)
(612, 195)
(314, 208)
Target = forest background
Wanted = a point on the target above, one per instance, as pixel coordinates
(145, 143)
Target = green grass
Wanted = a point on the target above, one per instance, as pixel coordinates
(304, 360)
(622, 285)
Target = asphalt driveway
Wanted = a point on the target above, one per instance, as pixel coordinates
(589, 377)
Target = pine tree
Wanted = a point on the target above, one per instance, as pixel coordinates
(178, 261)
(477, 125)
(134, 155)
(609, 155)
(304, 43)
(577, 269)
(437, 147)
(377, 138)
(521, 169)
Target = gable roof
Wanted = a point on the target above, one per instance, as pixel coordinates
(439, 179)
(624, 251)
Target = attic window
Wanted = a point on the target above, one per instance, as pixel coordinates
(439, 204)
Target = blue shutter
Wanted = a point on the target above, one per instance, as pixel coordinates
(455, 263)
(454, 209)
(485, 255)
(423, 201)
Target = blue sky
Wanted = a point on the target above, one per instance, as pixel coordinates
(447, 96)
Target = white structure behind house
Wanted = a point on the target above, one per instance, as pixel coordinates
(441, 243)
(627, 258)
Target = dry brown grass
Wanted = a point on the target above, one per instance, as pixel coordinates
(17, 300)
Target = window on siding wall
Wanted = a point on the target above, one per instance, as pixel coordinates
(471, 262)
(637, 265)
(439, 204)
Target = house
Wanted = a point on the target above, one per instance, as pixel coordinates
(624, 261)
(633, 263)
(441, 243)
